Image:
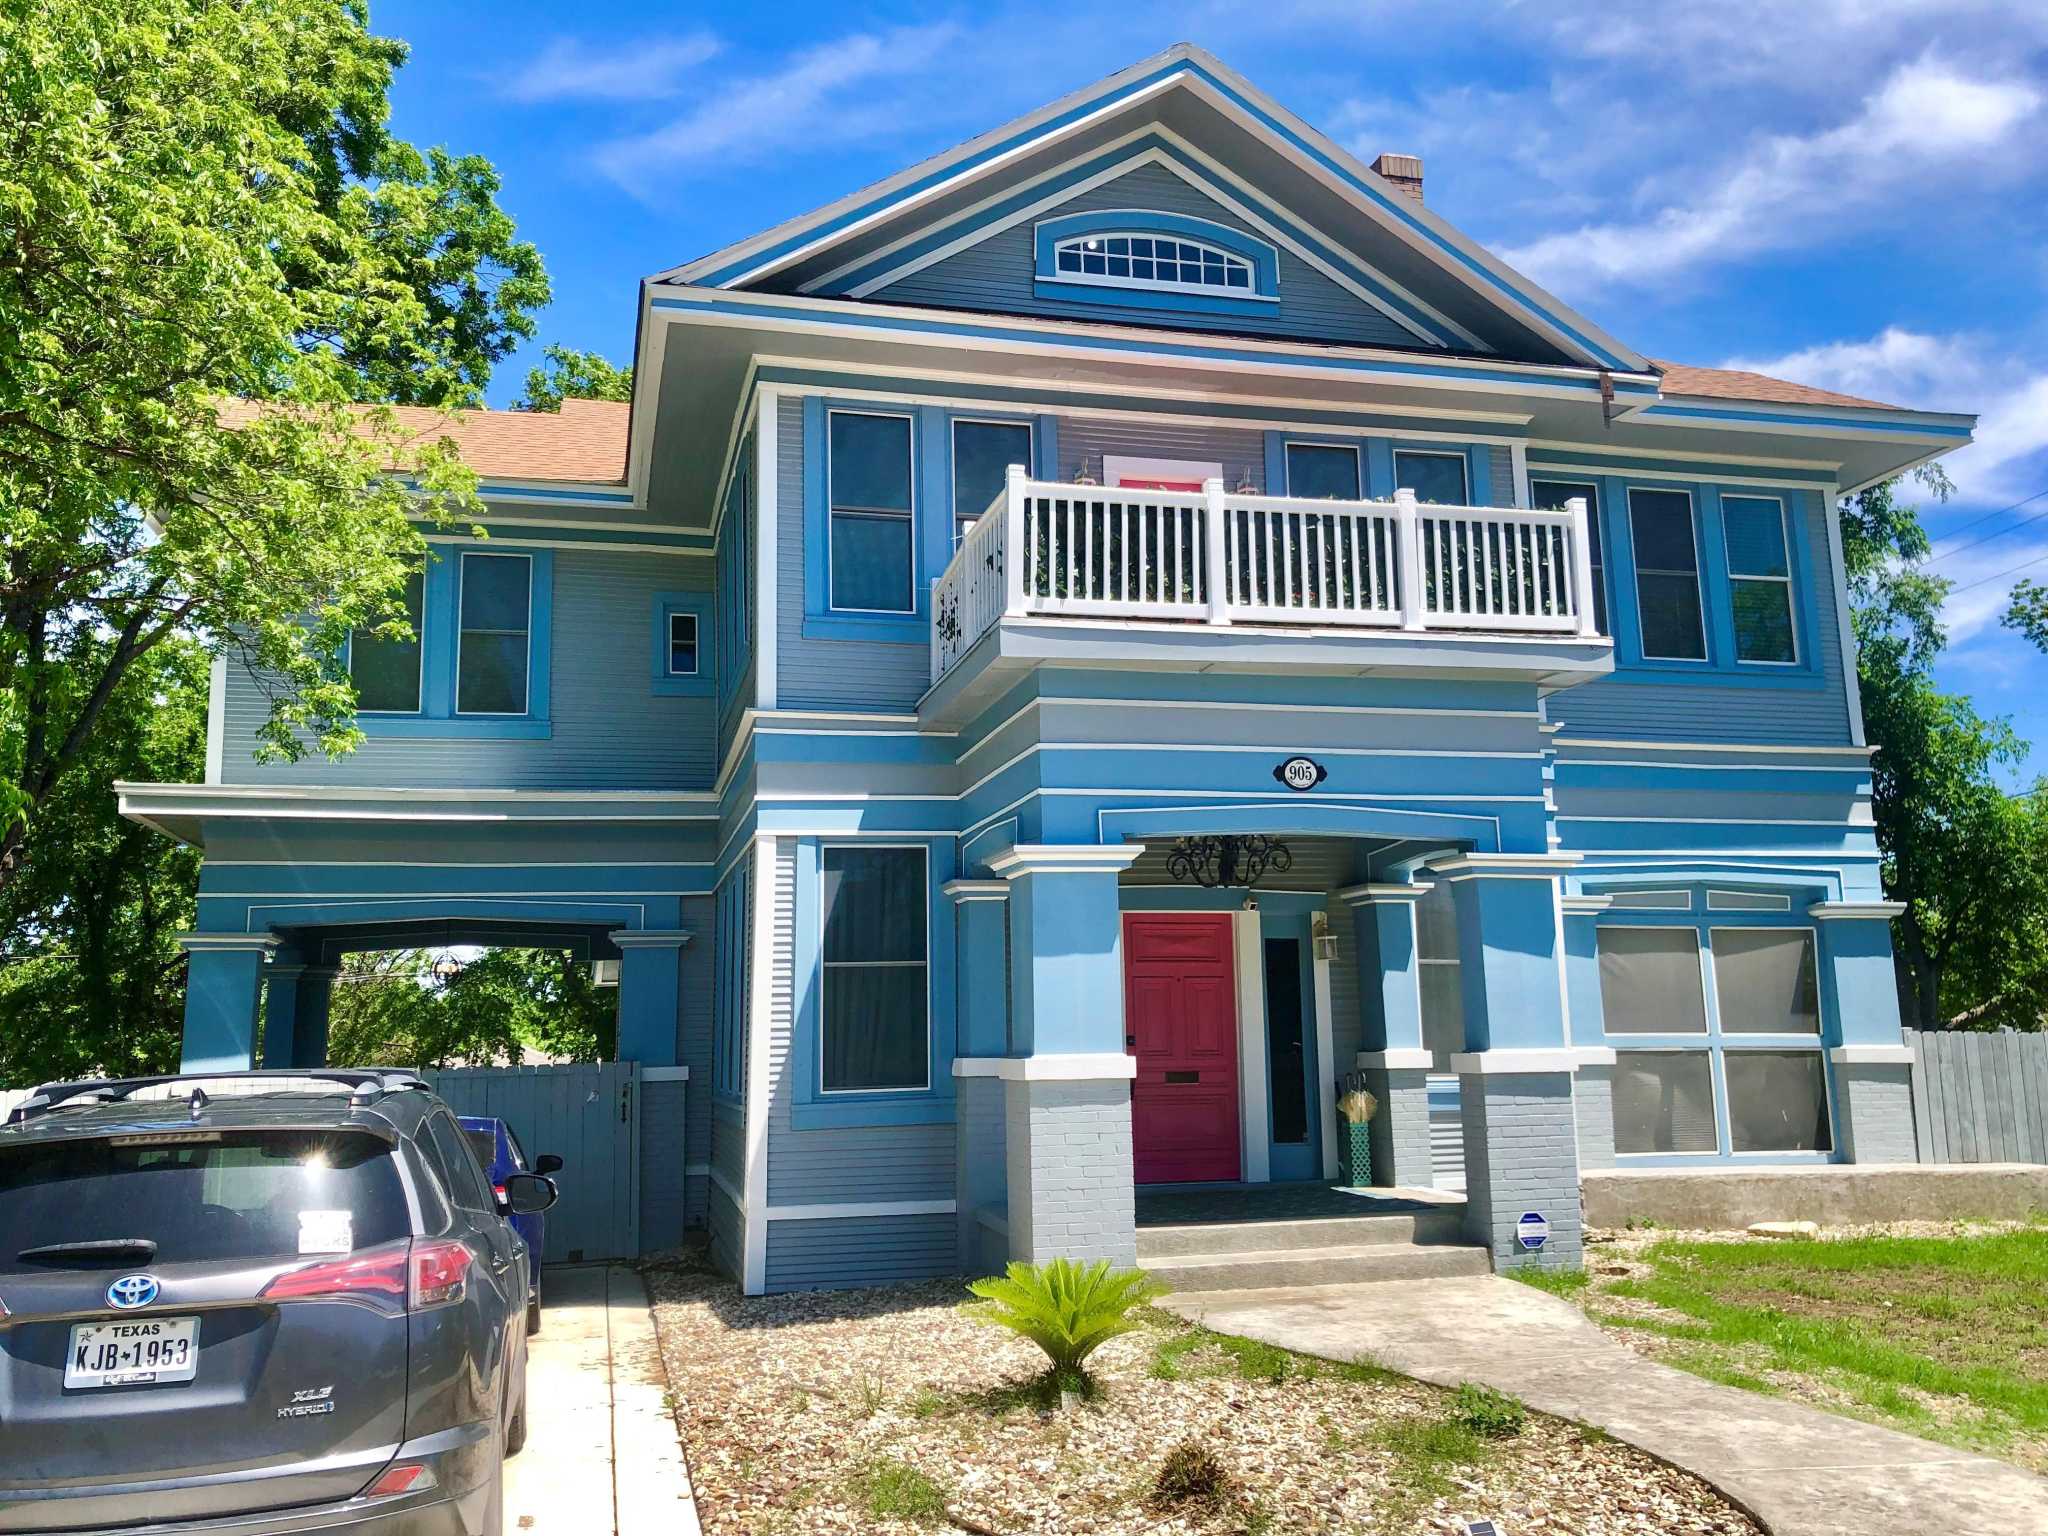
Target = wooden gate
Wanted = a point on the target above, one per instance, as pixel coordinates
(589, 1116)
(1980, 1097)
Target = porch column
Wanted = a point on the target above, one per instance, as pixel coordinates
(223, 987)
(315, 1003)
(981, 1173)
(1593, 1083)
(1392, 1055)
(1867, 1050)
(1515, 1074)
(1067, 1076)
(295, 1006)
(650, 993)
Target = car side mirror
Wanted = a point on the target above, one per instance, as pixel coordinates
(528, 1194)
(547, 1162)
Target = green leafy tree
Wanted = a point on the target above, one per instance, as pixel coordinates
(1969, 860)
(567, 374)
(2029, 612)
(91, 976)
(390, 1009)
(201, 206)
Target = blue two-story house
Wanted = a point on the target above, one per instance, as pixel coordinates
(1076, 649)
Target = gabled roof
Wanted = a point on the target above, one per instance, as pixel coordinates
(1189, 86)
(584, 443)
(1739, 384)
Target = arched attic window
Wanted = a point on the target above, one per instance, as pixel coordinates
(1155, 260)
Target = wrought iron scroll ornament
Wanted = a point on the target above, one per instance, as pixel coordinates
(1227, 861)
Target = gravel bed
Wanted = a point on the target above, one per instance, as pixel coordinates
(788, 1405)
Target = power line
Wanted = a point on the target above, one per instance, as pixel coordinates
(2032, 517)
(1987, 517)
(2011, 570)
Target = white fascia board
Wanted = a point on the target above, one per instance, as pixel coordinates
(1071, 1066)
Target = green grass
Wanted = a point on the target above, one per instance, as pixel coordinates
(1558, 1282)
(895, 1490)
(1939, 1336)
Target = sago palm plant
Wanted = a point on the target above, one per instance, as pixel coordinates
(1068, 1309)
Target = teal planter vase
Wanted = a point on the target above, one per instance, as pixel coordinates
(1355, 1155)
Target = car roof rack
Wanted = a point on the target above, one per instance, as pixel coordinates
(366, 1084)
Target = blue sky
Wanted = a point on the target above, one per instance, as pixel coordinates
(1851, 193)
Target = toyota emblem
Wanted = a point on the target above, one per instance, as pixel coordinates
(132, 1291)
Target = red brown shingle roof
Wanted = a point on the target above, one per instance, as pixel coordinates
(584, 442)
(1737, 384)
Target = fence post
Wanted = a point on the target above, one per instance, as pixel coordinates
(1582, 567)
(1017, 552)
(1213, 514)
(1408, 547)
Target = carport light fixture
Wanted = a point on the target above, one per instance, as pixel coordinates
(1227, 860)
(447, 968)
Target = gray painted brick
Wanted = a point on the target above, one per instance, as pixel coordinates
(1874, 1105)
(1400, 1131)
(1521, 1154)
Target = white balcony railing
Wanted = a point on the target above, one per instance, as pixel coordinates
(1047, 549)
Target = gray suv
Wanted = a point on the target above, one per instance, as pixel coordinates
(256, 1303)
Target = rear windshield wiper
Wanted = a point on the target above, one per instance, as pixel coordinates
(138, 1250)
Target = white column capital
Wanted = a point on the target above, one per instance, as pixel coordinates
(1584, 906)
(228, 943)
(1065, 859)
(1496, 866)
(649, 938)
(977, 890)
(1376, 895)
(1827, 911)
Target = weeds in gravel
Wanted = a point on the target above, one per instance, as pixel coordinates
(1558, 1282)
(872, 1394)
(1180, 1355)
(894, 1490)
(927, 1404)
(1191, 1474)
(1484, 1411)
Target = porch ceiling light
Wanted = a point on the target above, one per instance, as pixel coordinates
(447, 968)
(1230, 860)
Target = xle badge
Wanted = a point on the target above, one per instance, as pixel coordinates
(1301, 773)
(308, 1402)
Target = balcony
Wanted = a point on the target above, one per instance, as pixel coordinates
(1217, 559)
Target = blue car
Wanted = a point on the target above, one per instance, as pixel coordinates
(499, 1153)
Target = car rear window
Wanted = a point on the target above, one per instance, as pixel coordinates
(207, 1195)
(485, 1145)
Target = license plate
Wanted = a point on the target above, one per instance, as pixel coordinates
(133, 1352)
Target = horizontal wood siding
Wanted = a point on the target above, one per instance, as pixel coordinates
(997, 275)
(1085, 439)
(694, 1047)
(862, 1250)
(828, 674)
(1636, 709)
(728, 1233)
(1500, 476)
(609, 730)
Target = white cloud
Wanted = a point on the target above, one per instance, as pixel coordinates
(810, 100)
(647, 70)
(1929, 121)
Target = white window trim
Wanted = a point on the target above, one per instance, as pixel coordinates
(348, 662)
(461, 581)
(1117, 467)
(1463, 462)
(1599, 543)
(1250, 290)
(696, 643)
(831, 509)
(1791, 597)
(1707, 1014)
(1287, 446)
(1030, 429)
(825, 967)
(1692, 524)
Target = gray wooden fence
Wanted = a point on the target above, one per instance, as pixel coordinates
(1980, 1097)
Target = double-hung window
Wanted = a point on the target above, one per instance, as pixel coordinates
(872, 538)
(1667, 575)
(494, 646)
(875, 1012)
(983, 452)
(1759, 578)
(1552, 496)
(1322, 473)
(389, 673)
(1437, 478)
(682, 645)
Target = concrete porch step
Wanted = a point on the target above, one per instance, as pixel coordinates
(1351, 1264)
(1196, 1239)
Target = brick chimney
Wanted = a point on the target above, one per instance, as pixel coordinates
(1404, 171)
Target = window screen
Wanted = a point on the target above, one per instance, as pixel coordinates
(983, 452)
(1650, 981)
(1322, 473)
(1433, 477)
(1764, 981)
(871, 518)
(1667, 575)
(497, 606)
(874, 1016)
(1777, 1102)
(386, 672)
(1759, 578)
(1664, 1102)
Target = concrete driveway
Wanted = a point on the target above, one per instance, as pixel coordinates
(601, 1457)
(1801, 1472)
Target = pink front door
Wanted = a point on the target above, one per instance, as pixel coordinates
(1180, 1021)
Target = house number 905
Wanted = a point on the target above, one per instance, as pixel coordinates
(1301, 773)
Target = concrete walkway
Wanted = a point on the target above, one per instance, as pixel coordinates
(1798, 1470)
(601, 1457)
